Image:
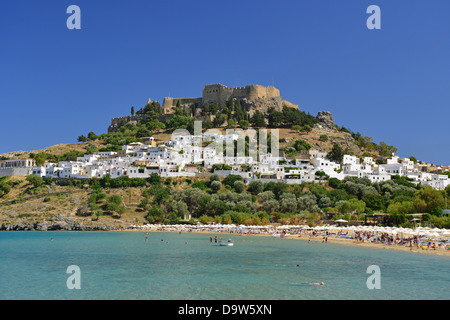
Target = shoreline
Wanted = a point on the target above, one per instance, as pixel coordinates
(318, 238)
(340, 241)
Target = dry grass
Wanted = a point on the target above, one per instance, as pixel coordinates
(47, 203)
(58, 149)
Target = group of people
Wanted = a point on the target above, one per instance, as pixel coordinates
(386, 239)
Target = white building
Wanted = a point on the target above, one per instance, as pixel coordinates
(352, 160)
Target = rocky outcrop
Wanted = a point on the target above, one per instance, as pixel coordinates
(63, 225)
(263, 104)
(325, 119)
(116, 123)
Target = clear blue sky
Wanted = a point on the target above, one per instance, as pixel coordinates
(392, 84)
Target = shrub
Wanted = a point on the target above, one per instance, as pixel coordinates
(238, 186)
(215, 186)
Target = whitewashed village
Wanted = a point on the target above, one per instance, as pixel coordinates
(187, 156)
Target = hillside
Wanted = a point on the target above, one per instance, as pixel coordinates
(287, 137)
(58, 149)
(54, 205)
(222, 108)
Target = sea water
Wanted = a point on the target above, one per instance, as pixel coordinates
(187, 266)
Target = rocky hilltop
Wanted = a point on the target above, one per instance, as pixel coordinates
(326, 121)
(252, 98)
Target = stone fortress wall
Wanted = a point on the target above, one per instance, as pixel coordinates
(169, 104)
(221, 93)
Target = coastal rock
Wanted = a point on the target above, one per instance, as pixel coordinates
(64, 225)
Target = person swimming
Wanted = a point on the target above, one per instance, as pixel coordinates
(314, 283)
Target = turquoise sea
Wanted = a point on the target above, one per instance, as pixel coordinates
(172, 266)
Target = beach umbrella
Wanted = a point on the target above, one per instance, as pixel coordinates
(446, 233)
(434, 235)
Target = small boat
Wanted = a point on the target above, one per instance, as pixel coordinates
(229, 243)
(276, 235)
(280, 235)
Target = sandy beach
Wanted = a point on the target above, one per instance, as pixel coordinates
(404, 248)
(319, 239)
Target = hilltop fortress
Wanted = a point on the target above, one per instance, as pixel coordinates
(252, 97)
(250, 94)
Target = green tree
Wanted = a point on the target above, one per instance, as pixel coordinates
(301, 145)
(238, 186)
(82, 138)
(244, 124)
(35, 180)
(215, 186)
(155, 214)
(115, 199)
(271, 206)
(274, 117)
(214, 177)
(307, 128)
(288, 202)
(374, 201)
(179, 208)
(5, 188)
(231, 123)
(256, 186)
(231, 179)
(434, 199)
(336, 154)
(266, 196)
(92, 136)
(386, 150)
(334, 183)
(352, 205)
(258, 120)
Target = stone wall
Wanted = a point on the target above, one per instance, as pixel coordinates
(220, 93)
(116, 122)
(169, 104)
(18, 172)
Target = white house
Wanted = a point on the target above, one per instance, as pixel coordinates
(352, 160)
(105, 154)
(438, 181)
(368, 161)
(395, 168)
